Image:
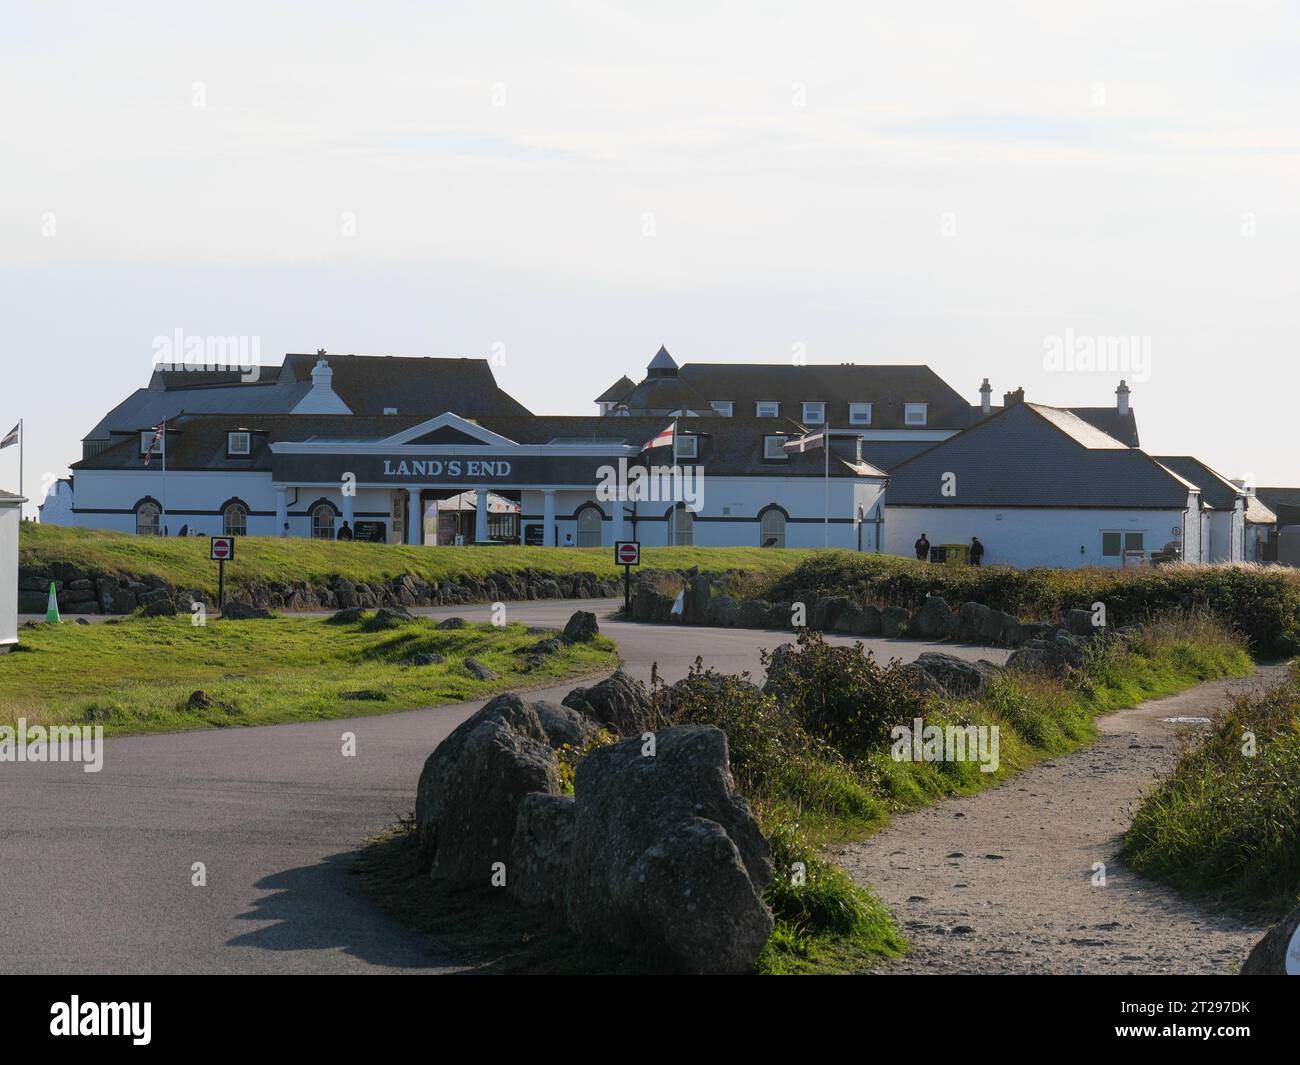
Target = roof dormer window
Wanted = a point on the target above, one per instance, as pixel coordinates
(239, 442)
(774, 448)
(915, 413)
(767, 408)
(859, 413)
(688, 446)
(722, 406)
(814, 412)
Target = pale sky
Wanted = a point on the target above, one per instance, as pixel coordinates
(574, 184)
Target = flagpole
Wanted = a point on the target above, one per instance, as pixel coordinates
(826, 506)
(164, 477)
(22, 433)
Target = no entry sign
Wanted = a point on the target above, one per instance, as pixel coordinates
(627, 553)
(222, 548)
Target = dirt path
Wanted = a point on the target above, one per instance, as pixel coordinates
(1001, 882)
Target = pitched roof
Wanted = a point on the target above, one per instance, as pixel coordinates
(886, 388)
(368, 384)
(1257, 513)
(664, 395)
(1028, 455)
(617, 392)
(1216, 490)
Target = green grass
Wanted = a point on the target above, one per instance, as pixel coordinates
(184, 561)
(136, 675)
(1225, 822)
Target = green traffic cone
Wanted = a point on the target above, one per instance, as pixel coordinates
(52, 608)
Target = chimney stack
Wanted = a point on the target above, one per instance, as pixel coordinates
(1121, 399)
(1010, 399)
(986, 397)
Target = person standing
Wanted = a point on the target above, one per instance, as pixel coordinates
(345, 532)
(922, 548)
(976, 551)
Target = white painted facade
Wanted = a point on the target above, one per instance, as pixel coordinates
(10, 522)
(1064, 538)
(1225, 534)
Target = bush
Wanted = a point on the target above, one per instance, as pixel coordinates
(1262, 602)
(1225, 821)
(841, 694)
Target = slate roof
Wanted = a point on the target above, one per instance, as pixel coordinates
(886, 388)
(1257, 513)
(1028, 455)
(617, 392)
(1216, 490)
(366, 383)
(1278, 497)
(890, 453)
(663, 395)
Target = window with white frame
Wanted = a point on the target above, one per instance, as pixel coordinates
(915, 413)
(146, 438)
(148, 519)
(814, 412)
(767, 408)
(774, 447)
(239, 443)
(859, 413)
(723, 406)
(771, 528)
(688, 446)
(234, 520)
(322, 522)
(683, 527)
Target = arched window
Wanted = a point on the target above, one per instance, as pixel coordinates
(234, 520)
(683, 527)
(771, 525)
(148, 518)
(589, 522)
(322, 522)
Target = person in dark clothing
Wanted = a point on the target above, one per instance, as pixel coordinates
(922, 548)
(976, 551)
(345, 532)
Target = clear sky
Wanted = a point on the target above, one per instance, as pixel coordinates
(571, 185)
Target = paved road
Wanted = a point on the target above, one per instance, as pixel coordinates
(95, 868)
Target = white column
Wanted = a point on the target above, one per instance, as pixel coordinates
(348, 509)
(616, 524)
(281, 510)
(414, 518)
(481, 515)
(548, 517)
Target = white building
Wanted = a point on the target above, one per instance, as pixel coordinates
(11, 509)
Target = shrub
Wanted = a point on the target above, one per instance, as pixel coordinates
(841, 694)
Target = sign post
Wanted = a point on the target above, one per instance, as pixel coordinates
(627, 553)
(219, 549)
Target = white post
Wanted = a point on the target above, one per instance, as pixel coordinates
(281, 510)
(826, 525)
(481, 515)
(349, 509)
(163, 530)
(414, 518)
(548, 517)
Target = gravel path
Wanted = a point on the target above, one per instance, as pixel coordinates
(1002, 881)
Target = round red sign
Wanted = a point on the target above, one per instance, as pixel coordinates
(627, 554)
(220, 548)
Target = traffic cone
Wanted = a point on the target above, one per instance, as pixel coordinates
(52, 608)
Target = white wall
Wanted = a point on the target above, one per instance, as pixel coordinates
(56, 509)
(10, 517)
(1028, 536)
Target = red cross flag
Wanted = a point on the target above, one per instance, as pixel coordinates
(662, 439)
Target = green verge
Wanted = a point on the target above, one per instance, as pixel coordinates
(184, 561)
(137, 675)
(814, 759)
(1225, 822)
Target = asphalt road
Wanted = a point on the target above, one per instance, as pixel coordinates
(95, 868)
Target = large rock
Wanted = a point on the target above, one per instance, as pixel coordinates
(158, 608)
(827, 610)
(1278, 953)
(1037, 656)
(467, 802)
(620, 703)
(565, 725)
(970, 620)
(892, 620)
(698, 593)
(956, 675)
(667, 859)
(581, 627)
(934, 621)
(1079, 623)
(237, 611)
(723, 611)
(541, 850)
(753, 614)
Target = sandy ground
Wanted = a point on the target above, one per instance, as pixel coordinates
(1002, 881)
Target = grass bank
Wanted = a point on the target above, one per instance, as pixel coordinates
(137, 675)
(1225, 822)
(817, 757)
(184, 562)
(1262, 602)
